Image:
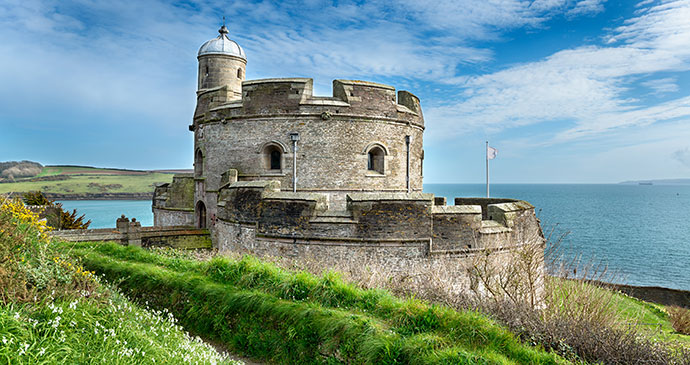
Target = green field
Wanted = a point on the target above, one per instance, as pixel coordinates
(87, 180)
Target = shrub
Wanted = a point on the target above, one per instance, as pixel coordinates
(36, 198)
(64, 220)
(680, 319)
(29, 269)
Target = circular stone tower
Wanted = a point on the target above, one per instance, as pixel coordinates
(222, 63)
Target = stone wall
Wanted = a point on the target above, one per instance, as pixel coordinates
(163, 217)
(133, 234)
(404, 232)
(336, 134)
(173, 203)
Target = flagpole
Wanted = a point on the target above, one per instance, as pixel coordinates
(486, 154)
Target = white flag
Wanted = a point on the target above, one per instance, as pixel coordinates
(491, 153)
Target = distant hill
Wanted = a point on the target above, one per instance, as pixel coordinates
(11, 170)
(68, 182)
(658, 182)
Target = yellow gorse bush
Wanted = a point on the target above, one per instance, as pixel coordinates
(30, 265)
(76, 269)
(18, 213)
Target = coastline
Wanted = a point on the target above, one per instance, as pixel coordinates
(100, 196)
(654, 294)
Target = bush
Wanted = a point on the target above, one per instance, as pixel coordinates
(64, 220)
(680, 319)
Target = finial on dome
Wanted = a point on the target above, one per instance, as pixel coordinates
(223, 30)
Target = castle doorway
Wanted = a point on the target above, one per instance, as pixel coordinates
(200, 215)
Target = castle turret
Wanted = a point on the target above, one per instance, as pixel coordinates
(222, 62)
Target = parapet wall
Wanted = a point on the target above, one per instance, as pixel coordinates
(295, 95)
(407, 233)
(260, 210)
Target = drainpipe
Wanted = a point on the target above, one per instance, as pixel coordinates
(407, 177)
(294, 137)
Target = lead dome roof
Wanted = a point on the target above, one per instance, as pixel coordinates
(222, 45)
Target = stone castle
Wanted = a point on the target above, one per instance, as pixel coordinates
(280, 171)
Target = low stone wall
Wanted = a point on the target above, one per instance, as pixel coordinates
(177, 237)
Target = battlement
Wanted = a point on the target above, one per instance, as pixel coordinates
(295, 96)
(376, 217)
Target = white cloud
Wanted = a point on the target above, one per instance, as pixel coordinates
(586, 7)
(586, 86)
(663, 85)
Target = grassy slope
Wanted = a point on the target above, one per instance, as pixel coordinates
(52, 311)
(81, 177)
(269, 313)
(651, 318)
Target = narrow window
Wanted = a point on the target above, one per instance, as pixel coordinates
(275, 160)
(207, 71)
(421, 165)
(273, 157)
(198, 163)
(239, 73)
(375, 160)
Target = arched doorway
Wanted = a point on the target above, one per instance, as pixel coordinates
(200, 214)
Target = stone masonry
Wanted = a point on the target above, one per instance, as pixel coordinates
(357, 192)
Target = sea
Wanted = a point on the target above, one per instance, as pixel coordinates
(640, 233)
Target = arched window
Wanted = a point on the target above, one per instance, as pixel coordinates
(275, 160)
(198, 163)
(239, 73)
(273, 157)
(375, 161)
(200, 214)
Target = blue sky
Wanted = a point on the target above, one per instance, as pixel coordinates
(582, 91)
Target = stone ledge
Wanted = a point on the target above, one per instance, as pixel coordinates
(456, 209)
(366, 197)
(365, 83)
(175, 209)
(345, 241)
(299, 80)
(271, 184)
(287, 195)
(512, 206)
(362, 118)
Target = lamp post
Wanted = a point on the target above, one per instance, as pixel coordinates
(294, 137)
(407, 177)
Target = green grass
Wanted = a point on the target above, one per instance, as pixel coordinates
(54, 312)
(288, 317)
(87, 331)
(84, 180)
(651, 318)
